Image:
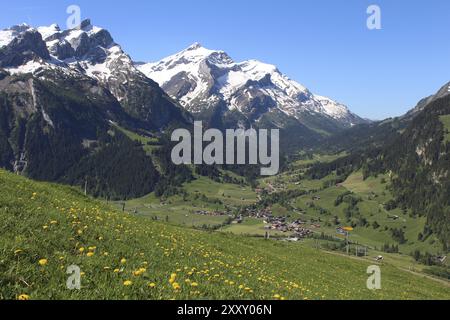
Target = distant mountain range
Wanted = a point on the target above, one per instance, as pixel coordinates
(88, 52)
(63, 96)
(65, 93)
(203, 80)
(195, 83)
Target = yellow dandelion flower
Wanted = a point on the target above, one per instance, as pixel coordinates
(90, 254)
(123, 261)
(81, 250)
(176, 286)
(127, 283)
(194, 284)
(43, 262)
(152, 285)
(23, 297)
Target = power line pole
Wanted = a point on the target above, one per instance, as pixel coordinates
(348, 248)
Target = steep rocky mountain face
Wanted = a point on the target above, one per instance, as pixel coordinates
(62, 96)
(209, 82)
(61, 131)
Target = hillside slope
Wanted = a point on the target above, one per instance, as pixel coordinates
(63, 93)
(414, 152)
(45, 228)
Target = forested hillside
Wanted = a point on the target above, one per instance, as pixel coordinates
(417, 161)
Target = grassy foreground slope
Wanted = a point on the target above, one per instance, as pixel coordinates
(45, 228)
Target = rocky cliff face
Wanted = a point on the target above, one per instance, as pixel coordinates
(91, 52)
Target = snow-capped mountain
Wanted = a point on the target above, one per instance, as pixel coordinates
(200, 78)
(65, 97)
(91, 52)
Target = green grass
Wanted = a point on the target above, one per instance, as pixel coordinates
(322, 158)
(374, 194)
(141, 138)
(251, 227)
(357, 184)
(175, 210)
(181, 210)
(446, 122)
(230, 194)
(52, 222)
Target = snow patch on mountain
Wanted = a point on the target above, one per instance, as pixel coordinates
(8, 35)
(49, 31)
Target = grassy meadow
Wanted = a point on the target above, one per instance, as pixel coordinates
(46, 228)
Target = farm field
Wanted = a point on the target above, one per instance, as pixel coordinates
(373, 195)
(181, 210)
(47, 228)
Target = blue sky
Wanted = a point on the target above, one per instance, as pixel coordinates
(323, 44)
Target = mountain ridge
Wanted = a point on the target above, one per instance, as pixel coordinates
(91, 51)
(200, 78)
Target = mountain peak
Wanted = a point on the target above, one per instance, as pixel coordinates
(86, 24)
(199, 78)
(194, 46)
(20, 27)
(7, 35)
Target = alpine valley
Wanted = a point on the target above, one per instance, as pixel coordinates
(86, 178)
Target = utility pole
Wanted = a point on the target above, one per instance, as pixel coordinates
(348, 248)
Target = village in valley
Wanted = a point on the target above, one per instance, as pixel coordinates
(346, 215)
(292, 229)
